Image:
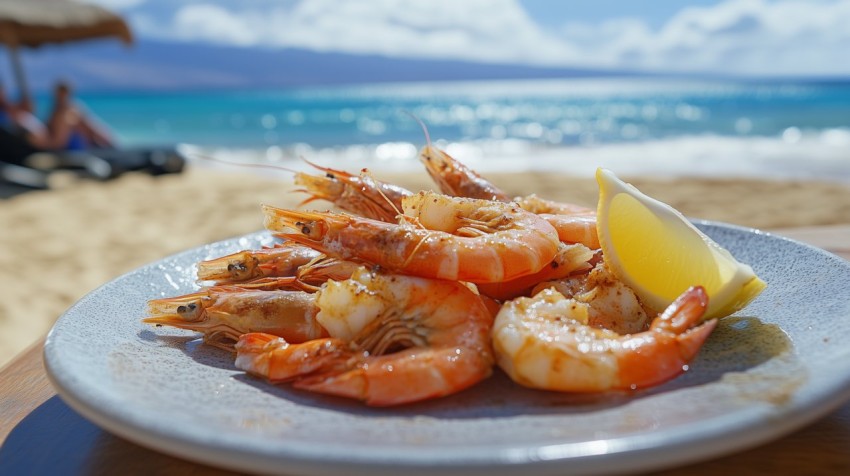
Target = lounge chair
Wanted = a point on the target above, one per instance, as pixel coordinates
(23, 164)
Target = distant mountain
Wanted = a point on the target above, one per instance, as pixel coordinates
(151, 65)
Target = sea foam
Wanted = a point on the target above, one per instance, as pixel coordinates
(821, 155)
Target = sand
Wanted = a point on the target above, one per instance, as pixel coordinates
(58, 245)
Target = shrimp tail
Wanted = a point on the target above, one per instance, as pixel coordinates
(413, 376)
(275, 359)
(692, 340)
(681, 336)
(684, 313)
(682, 318)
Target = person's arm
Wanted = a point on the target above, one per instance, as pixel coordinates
(33, 130)
(58, 129)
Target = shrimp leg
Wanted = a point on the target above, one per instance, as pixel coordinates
(361, 195)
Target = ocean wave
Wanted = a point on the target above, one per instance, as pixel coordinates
(795, 154)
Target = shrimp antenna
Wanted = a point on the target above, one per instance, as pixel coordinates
(415, 250)
(251, 164)
(422, 125)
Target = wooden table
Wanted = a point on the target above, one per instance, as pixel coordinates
(39, 434)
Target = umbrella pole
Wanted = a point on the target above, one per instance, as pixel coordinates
(20, 78)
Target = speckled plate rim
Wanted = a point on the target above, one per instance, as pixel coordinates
(650, 451)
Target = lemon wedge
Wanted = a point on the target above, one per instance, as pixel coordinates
(657, 252)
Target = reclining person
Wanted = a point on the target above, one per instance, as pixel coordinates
(70, 128)
(73, 140)
(20, 122)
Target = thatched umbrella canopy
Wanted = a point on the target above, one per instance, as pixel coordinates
(33, 23)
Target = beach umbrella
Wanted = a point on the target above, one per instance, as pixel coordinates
(33, 23)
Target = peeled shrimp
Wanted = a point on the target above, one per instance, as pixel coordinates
(544, 342)
(570, 259)
(538, 205)
(575, 228)
(610, 303)
(223, 314)
(394, 339)
(361, 195)
(444, 237)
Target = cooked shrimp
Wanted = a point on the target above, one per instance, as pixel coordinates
(272, 283)
(361, 195)
(544, 342)
(575, 229)
(279, 260)
(456, 179)
(222, 314)
(277, 360)
(408, 339)
(446, 238)
(538, 205)
(325, 269)
(574, 223)
(570, 259)
(610, 304)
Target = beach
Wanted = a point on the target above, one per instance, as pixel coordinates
(58, 245)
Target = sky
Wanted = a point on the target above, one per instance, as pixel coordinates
(731, 37)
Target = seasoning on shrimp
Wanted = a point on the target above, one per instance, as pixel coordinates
(394, 339)
(444, 237)
(570, 259)
(544, 342)
(610, 303)
(574, 223)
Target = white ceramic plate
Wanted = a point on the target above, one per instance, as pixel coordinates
(781, 363)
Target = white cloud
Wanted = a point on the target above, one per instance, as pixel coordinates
(753, 37)
(482, 30)
(117, 4)
(213, 23)
(734, 37)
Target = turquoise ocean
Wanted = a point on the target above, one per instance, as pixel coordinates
(665, 126)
